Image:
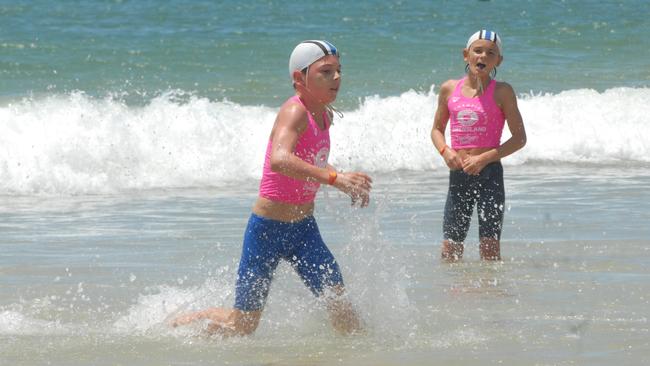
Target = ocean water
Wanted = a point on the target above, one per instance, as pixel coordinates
(132, 136)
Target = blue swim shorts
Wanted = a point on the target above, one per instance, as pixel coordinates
(267, 241)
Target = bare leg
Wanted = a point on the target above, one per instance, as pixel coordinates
(490, 249)
(344, 318)
(225, 322)
(452, 251)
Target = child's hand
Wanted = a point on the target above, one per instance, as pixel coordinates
(356, 185)
(473, 164)
(452, 159)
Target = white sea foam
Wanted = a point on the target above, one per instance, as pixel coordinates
(75, 144)
(16, 323)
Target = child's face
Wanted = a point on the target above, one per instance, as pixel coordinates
(482, 56)
(324, 78)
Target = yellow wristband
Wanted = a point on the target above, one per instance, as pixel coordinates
(332, 177)
(442, 151)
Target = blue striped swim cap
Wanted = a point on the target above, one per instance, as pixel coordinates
(488, 35)
(308, 52)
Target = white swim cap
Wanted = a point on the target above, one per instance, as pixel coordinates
(486, 34)
(308, 52)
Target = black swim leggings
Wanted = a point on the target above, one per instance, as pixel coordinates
(486, 191)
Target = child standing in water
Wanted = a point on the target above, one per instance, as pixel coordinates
(281, 225)
(477, 107)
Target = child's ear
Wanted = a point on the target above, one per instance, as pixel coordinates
(500, 60)
(465, 54)
(298, 77)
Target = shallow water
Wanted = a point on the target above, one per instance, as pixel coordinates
(92, 279)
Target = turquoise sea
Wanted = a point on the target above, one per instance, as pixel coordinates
(239, 50)
(132, 136)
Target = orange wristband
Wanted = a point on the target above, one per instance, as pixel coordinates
(442, 151)
(332, 177)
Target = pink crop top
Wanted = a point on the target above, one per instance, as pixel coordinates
(475, 122)
(313, 146)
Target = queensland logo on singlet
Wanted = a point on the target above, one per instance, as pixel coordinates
(467, 117)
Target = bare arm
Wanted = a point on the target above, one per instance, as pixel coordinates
(508, 104)
(440, 120)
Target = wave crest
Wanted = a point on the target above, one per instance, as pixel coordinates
(75, 144)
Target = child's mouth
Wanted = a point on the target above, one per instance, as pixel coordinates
(480, 66)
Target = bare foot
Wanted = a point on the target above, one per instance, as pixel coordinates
(218, 315)
(452, 251)
(226, 322)
(490, 249)
(188, 318)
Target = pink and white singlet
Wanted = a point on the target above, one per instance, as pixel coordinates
(475, 122)
(313, 147)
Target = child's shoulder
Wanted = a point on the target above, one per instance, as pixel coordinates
(294, 107)
(447, 88)
(503, 85)
(449, 85)
(292, 112)
(504, 89)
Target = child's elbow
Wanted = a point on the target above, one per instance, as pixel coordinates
(276, 163)
(522, 141)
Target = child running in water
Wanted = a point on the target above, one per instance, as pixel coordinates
(477, 107)
(281, 225)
